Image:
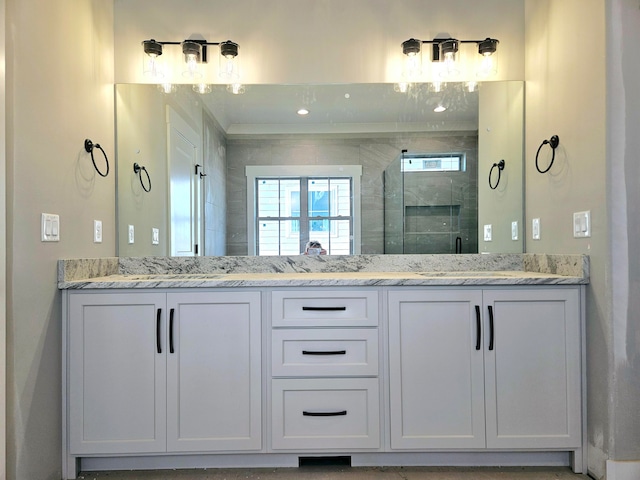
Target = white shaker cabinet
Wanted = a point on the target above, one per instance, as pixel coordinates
(156, 372)
(117, 373)
(436, 369)
(505, 375)
(214, 369)
(532, 368)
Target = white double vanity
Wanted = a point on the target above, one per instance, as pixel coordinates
(264, 361)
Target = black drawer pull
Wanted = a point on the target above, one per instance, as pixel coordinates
(333, 352)
(478, 327)
(171, 312)
(490, 327)
(158, 336)
(325, 309)
(324, 414)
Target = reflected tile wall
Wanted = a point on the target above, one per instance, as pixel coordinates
(374, 153)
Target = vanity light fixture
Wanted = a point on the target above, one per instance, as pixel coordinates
(195, 59)
(445, 57)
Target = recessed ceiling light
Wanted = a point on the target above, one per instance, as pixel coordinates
(439, 109)
(303, 111)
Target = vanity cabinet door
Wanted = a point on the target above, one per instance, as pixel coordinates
(532, 368)
(214, 371)
(117, 370)
(436, 369)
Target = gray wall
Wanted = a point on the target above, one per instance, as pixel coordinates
(59, 92)
(566, 96)
(374, 154)
(623, 185)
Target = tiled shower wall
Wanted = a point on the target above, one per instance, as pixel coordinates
(374, 153)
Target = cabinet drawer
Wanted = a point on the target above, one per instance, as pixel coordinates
(325, 308)
(325, 352)
(325, 414)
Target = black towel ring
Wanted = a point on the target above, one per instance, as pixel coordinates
(138, 169)
(89, 146)
(500, 166)
(553, 142)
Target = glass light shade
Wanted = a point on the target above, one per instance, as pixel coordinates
(487, 65)
(401, 87)
(412, 67)
(235, 88)
(449, 58)
(202, 88)
(191, 51)
(229, 69)
(167, 88)
(152, 64)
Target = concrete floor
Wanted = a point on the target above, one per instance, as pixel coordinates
(344, 473)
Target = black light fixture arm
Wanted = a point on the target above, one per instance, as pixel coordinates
(227, 47)
(553, 142)
(487, 46)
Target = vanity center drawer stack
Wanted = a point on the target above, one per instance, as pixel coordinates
(325, 367)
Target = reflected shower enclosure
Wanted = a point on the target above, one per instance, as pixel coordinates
(431, 204)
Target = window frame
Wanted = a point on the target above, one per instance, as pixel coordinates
(297, 171)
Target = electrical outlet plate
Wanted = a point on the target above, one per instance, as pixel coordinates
(582, 224)
(97, 231)
(50, 227)
(131, 234)
(155, 236)
(514, 230)
(535, 229)
(487, 233)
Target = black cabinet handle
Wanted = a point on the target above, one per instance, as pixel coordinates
(478, 327)
(324, 414)
(171, 312)
(328, 352)
(158, 335)
(490, 327)
(325, 309)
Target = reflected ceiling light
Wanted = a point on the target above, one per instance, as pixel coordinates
(303, 111)
(195, 59)
(440, 108)
(444, 57)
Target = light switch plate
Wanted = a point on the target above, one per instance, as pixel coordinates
(535, 229)
(131, 234)
(582, 224)
(514, 230)
(97, 231)
(487, 233)
(155, 236)
(50, 227)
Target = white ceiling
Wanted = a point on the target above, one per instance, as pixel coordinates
(347, 108)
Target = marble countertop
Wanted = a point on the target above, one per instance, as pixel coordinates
(364, 270)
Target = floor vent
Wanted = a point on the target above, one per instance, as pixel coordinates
(343, 461)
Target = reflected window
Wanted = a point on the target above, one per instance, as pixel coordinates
(438, 162)
(288, 211)
(293, 211)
